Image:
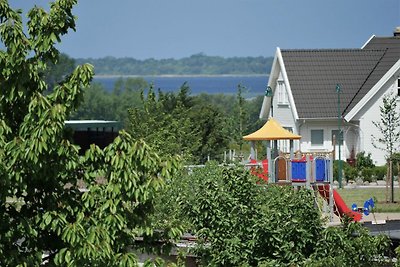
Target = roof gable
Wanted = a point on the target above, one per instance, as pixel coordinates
(392, 47)
(313, 75)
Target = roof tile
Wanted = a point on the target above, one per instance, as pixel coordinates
(313, 75)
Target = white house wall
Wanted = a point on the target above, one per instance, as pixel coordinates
(305, 127)
(369, 113)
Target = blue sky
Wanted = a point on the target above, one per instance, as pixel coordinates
(179, 28)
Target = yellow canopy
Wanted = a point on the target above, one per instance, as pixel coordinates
(271, 130)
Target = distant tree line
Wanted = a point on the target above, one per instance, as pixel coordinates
(198, 64)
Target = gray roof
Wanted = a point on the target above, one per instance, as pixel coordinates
(313, 75)
(392, 47)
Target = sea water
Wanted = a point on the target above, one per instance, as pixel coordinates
(225, 84)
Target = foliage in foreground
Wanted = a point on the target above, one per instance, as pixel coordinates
(43, 212)
(239, 222)
(350, 245)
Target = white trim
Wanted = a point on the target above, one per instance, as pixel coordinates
(288, 88)
(370, 38)
(266, 107)
(374, 90)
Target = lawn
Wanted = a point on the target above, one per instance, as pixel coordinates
(360, 195)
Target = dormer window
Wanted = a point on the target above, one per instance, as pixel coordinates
(282, 94)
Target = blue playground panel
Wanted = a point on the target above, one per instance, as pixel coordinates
(299, 171)
(320, 167)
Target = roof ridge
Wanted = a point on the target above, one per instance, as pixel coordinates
(366, 79)
(333, 50)
(387, 37)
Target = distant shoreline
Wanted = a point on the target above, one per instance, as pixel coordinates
(180, 75)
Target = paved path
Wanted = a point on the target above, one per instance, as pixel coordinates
(376, 218)
(380, 217)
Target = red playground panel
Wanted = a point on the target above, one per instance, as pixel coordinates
(263, 174)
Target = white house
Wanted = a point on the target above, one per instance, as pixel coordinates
(305, 99)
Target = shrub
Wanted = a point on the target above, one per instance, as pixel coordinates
(349, 245)
(238, 222)
(367, 173)
(380, 172)
(345, 166)
(364, 161)
(350, 173)
(397, 251)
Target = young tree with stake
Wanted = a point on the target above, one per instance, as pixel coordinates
(389, 128)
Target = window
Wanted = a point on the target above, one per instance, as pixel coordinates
(317, 137)
(338, 138)
(290, 129)
(282, 94)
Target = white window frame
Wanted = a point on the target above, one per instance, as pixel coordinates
(282, 94)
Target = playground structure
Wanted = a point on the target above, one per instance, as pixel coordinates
(313, 171)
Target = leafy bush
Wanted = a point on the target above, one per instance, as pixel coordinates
(397, 251)
(364, 161)
(349, 245)
(380, 172)
(345, 168)
(350, 173)
(238, 222)
(367, 173)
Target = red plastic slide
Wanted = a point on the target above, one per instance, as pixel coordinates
(340, 207)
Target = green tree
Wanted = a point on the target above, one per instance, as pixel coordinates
(389, 128)
(99, 104)
(253, 110)
(56, 71)
(178, 124)
(161, 120)
(43, 211)
(241, 116)
(212, 130)
(364, 161)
